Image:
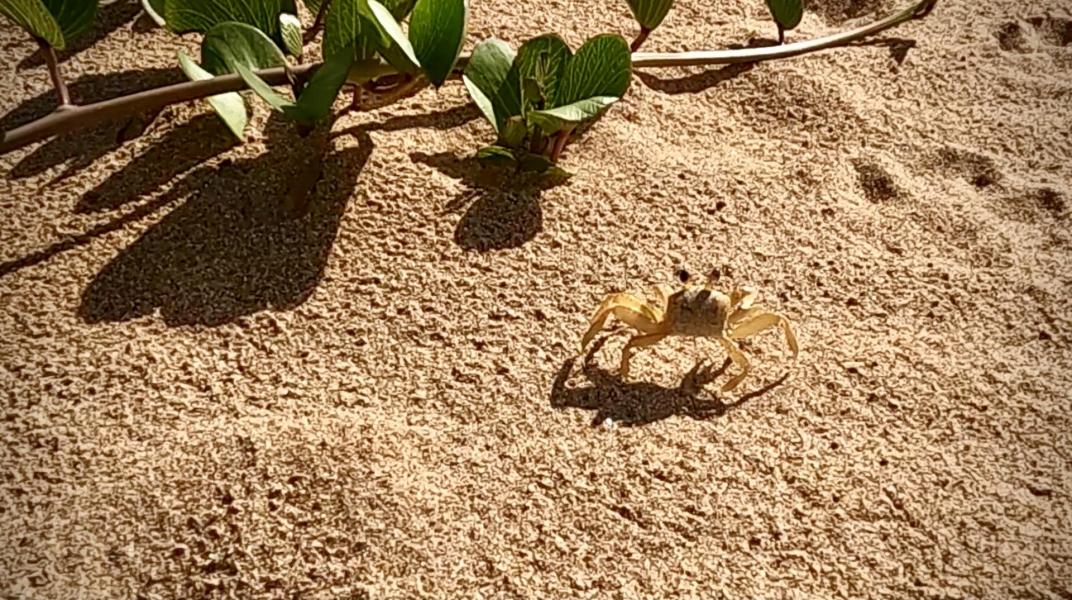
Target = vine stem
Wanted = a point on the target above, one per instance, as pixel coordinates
(310, 35)
(74, 117)
(54, 72)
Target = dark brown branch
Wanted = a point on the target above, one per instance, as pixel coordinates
(54, 72)
(79, 117)
(318, 22)
(640, 39)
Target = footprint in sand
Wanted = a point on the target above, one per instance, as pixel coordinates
(980, 170)
(1032, 35)
(875, 181)
(1034, 205)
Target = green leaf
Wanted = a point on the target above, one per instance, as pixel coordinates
(514, 132)
(155, 9)
(34, 17)
(229, 106)
(601, 67)
(553, 120)
(346, 26)
(437, 31)
(495, 154)
(203, 15)
(262, 89)
(492, 81)
(319, 94)
(230, 44)
(786, 13)
(650, 13)
(541, 63)
(395, 46)
(290, 30)
(400, 9)
(75, 17)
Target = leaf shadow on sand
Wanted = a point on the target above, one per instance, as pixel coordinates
(640, 403)
(502, 207)
(254, 234)
(80, 149)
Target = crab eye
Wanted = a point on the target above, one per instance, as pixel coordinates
(683, 275)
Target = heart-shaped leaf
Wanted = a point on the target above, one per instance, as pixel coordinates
(394, 45)
(203, 15)
(437, 31)
(230, 44)
(650, 13)
(601, 67)
(34, 17)
(229, 106)
(155, 9)
(492, 81)
(75, 17)
(290, 31)
(553, 120)
(787, 13)
(540, 64)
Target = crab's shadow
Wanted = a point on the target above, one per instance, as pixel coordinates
(640, 403)
(502, 208)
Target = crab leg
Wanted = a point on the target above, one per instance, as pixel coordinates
(628, 309)
(638, 341)
(760, 320)
(738, 359)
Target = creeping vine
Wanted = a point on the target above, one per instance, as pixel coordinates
(534, 97)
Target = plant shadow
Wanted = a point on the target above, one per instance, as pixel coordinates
(109, 18)
(200, 177)
(182, 148)
(707, 79)
(898, 47)
(502, 207)
(640, 403)
(85, 147)
(255, 236)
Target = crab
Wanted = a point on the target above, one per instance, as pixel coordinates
(691, 311)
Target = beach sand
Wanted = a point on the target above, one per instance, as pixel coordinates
(383, 398)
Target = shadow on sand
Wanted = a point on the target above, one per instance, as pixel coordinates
(254, 234)
(502, 207)
(641, 403)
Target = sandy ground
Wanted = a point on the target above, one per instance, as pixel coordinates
(204, 398)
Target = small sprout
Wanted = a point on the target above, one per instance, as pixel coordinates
(535, 98)
(787, 15)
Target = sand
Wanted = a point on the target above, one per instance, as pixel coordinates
(203, 397)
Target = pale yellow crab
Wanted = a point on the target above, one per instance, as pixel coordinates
(691, 311)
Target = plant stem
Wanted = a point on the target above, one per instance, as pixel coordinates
(560, 144)
(640, 39)
(781, 34)
(80, 117)
(317, 22)
(54, 72)
(643, 60)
